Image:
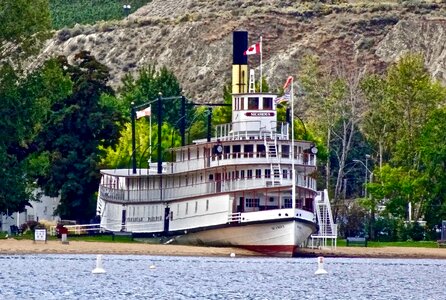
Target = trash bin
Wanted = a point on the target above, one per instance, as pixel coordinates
(63, 231)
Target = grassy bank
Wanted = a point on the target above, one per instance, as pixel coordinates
(373, 244)
(68, 13)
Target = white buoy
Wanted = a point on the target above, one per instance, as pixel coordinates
(320, 266)
(98, 269)
(152, 267)
(232, 254)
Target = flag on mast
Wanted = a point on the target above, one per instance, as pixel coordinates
(144, 113)
(287, 91)
(254, 49)
(288, 82)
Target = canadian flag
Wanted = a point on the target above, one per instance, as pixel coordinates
(254, 49)
(144, 113)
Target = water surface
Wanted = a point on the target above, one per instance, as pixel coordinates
(62, 276)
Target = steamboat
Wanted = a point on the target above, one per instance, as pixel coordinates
(248, 186)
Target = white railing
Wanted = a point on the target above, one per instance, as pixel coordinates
(233, 131)
(77, 229)
(172, 193)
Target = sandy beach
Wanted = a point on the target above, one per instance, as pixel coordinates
(13, 246)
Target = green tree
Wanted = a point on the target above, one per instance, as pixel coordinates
(433, 159)
(146, 87)
(406, 100)
(333, 105)
(120, 156)
(223, 114)
(26, 102)
(72, 137)
(24, 25)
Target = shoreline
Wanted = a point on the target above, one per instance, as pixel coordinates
(18, 247)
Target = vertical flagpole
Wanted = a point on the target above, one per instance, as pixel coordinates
(150, 137)
(293, 171)
(261, 53)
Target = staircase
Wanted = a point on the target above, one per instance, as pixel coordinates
(273, 159)
(327, 229)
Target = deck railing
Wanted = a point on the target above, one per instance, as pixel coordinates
(172, 193)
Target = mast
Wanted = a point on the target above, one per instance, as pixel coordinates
(293, 171)
(261, 53)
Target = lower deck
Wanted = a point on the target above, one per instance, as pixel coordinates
(203, 212)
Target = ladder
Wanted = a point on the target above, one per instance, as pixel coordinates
(327, 227)
(273, 159)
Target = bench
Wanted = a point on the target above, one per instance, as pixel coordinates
(360, 241)
(441, 243)
(122, 233)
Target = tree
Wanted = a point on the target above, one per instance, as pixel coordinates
(120, 156)
(223, 114)
(146, 88)
(26, 102)
(24, 25)
(412, 97)
(433, 159)
(72, 137)
(334, 108)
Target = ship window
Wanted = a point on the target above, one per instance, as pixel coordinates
(252, 202)
(249, 149)
(237, 175)
(226, 151)
(285, 173)
(198, 152)
(268, 103)
(285, 151)
(188, 153)
(258, 173)
(196, 206)
(287, 203)
(267, 173)
(242, 174)
(249, 173)
(261, 151)
(207, 204)
(178, 209)
(187, 207)
(236, 149)
(253, 103)
(271, 199)
(211, 176)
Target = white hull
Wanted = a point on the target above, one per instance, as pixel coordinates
(281, 238)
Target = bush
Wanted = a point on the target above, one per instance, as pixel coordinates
(30, 226)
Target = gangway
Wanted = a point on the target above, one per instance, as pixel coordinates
(327, 233)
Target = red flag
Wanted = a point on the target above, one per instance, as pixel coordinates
(288, 82)
(254, 49)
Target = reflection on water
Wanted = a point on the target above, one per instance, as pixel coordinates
(131, 277)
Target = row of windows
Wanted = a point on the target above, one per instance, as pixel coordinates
(236, 151)
(253, 103)
(191, 180)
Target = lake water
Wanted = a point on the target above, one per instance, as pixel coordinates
(131, 277)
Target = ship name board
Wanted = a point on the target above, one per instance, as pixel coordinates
(142, 219)
(259, 114)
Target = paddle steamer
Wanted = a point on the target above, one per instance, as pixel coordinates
(248, 186)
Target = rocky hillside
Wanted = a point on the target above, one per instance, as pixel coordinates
(194, 38)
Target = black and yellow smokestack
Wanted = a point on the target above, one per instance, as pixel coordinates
(239, 62)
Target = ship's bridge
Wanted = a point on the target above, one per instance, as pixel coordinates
(253, 112)
(253, 116)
